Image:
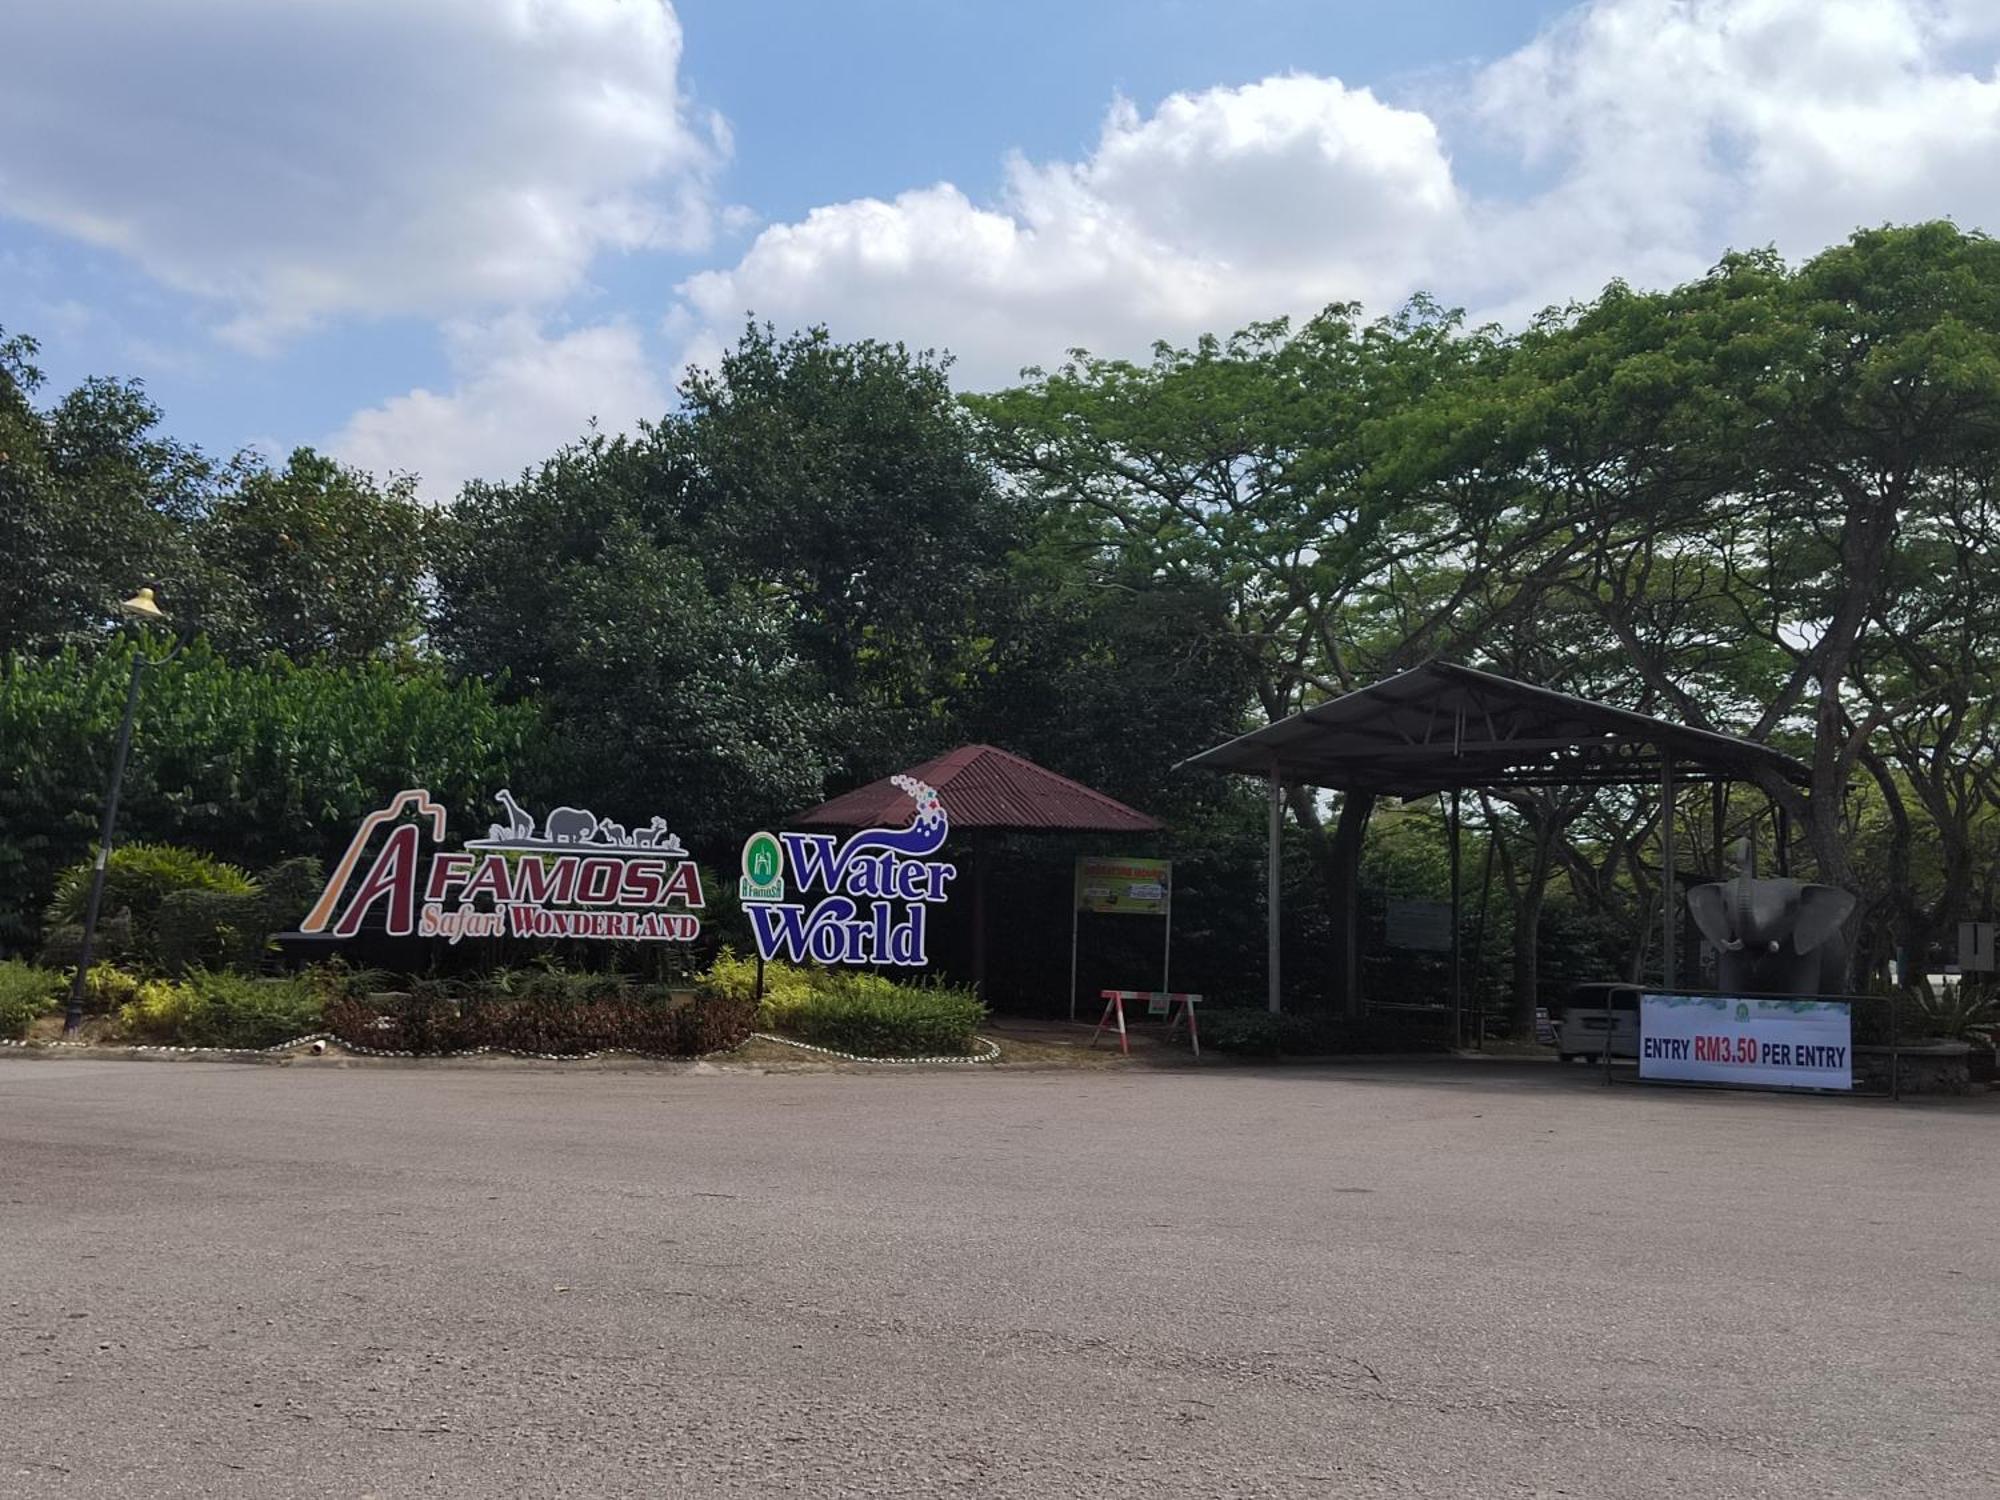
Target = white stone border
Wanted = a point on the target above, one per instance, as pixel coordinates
(991, 1052)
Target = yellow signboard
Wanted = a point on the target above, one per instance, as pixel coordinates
(1139, 887)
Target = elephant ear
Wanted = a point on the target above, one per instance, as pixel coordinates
(1710, 907)
(1822, 909)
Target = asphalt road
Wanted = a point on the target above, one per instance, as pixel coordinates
(319, 1280)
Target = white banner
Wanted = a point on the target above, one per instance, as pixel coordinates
(1786, 1044)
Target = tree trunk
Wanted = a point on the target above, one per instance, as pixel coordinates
(1528, 931)
(1336, 859)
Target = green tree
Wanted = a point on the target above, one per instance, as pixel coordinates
(778, 586)
(1348, 490)
(94, 503)
(842, 480)
(312, 560)
(1773, 462)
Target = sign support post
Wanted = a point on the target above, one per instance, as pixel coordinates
(1075, 912)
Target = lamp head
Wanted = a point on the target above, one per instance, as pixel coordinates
(141, 606)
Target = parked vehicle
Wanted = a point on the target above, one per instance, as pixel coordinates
(1595, 1016)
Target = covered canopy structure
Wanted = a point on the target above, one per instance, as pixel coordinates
(1441, 727)
(985, 790)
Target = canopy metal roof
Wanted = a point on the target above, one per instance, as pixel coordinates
(1441, 726)
(985, 787)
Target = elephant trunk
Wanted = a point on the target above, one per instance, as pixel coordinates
(1742, 893)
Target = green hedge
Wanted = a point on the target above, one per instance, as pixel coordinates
(251, 763)
(875, 1017)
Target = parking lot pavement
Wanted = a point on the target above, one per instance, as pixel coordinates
(328, 1280)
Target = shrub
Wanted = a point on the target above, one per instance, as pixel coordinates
(1957, 1013)
(158, 1010)
(713, 1023)
(215, 1008)
(138, 877)
(537, 1010)
(1251, 1033)
(108, 989)
(786, 987)
(26, 994)
(876, 1017)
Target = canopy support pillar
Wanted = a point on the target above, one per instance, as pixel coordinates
(1457, 957)
(1274, 872)
(1670, 953)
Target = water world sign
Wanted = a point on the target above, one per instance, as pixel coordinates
(825, 921)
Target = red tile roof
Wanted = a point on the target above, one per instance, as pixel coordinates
(984, 787)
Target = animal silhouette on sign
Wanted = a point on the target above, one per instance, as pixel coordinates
(649, 836)
(520, 825)
(570, 825)
(611, 833)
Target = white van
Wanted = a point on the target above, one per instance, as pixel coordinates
(1591, 1013)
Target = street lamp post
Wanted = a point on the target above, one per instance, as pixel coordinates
(140, 606)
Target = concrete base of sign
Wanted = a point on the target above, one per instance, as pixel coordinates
(1921, 1068)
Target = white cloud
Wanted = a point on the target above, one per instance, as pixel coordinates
(296, 161)
(1678, 128)
(1215, 208)
(1653, 133)
(521, 394)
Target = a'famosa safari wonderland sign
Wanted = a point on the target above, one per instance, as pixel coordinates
(576, 876)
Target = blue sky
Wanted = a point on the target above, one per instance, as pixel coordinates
(441, 236)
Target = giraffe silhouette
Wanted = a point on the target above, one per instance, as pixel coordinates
(520, 825)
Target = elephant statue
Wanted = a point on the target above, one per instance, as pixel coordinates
(1774, 937)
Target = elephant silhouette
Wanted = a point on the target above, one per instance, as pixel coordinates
(570, 825)
(1775, 937)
